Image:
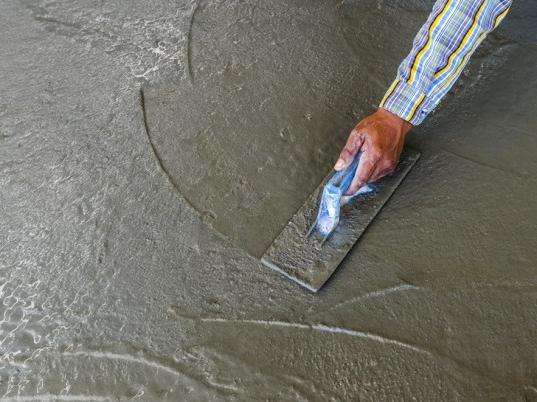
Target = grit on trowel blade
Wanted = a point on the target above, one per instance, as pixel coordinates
(302, 259)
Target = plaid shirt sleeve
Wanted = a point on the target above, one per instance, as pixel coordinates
(441, 49)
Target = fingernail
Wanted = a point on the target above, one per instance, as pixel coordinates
(339, 164)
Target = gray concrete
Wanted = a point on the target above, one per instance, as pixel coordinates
(113, 287)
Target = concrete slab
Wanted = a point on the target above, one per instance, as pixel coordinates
(112, 287)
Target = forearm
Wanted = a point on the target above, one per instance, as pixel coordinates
(441, 49)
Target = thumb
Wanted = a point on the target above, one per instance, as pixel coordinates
(351, 148)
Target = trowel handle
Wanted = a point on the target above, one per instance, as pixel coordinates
(342, 180)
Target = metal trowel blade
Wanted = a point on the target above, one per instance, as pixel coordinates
(300, 257)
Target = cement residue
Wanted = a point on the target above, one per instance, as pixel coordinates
(111, 286)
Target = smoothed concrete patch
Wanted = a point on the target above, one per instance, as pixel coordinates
(271, 93)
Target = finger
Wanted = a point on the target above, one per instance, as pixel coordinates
(353, 145)
(382, 169)
(364, 171)
(378, 173)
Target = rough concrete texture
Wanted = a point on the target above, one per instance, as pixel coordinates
(114, 288)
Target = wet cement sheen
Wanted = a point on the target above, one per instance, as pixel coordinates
(113, 287)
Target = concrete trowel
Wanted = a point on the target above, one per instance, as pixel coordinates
(320, 234)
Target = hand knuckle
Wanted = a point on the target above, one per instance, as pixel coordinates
(376, 155)
(389, 165)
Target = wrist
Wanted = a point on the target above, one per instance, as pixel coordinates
(395, 121)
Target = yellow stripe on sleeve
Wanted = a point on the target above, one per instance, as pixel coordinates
(464, 41)
(419, 56)
(389, 92)
(415, 108)
(500, 17)
(463, 63)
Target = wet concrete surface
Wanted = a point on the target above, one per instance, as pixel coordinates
(114, 287)
(266, 105)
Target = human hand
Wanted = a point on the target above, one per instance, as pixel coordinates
(381, 137)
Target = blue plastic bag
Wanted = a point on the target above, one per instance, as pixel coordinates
(333, 198)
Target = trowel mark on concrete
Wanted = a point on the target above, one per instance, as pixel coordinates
(363, 335)
(126, 358)
(189, 70)
(530, 393)
(157, 157)
(484, 164)
(372, 295)
(322, 328)
(53, 397)
(159, 367)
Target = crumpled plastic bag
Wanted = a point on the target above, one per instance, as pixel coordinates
(333, 198)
